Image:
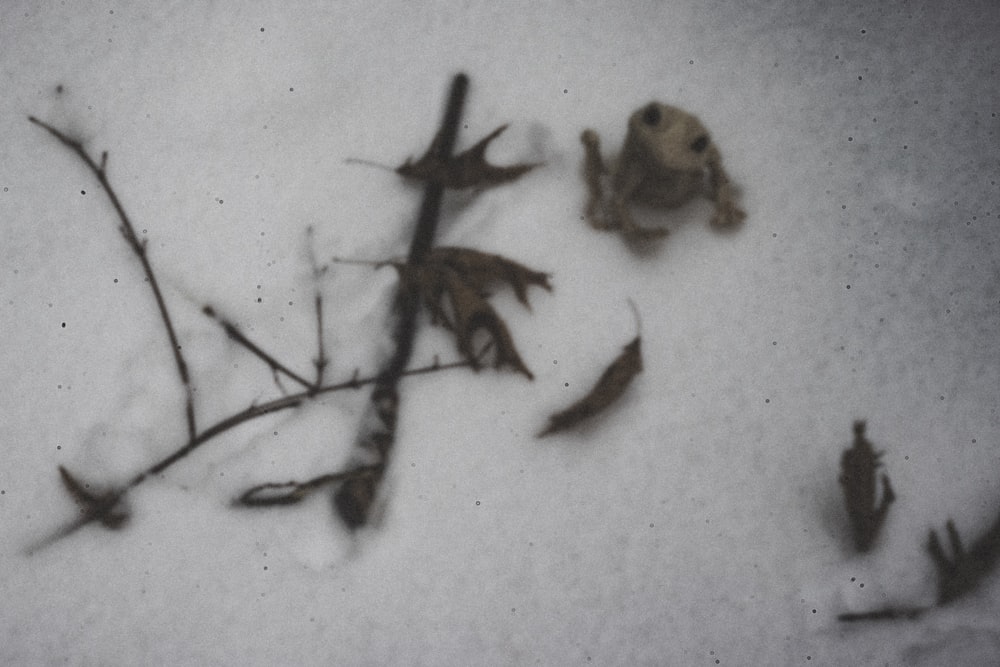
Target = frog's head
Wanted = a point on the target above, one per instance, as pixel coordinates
(670, 137)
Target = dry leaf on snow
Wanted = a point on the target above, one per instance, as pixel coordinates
(611, 385)
(465, 170)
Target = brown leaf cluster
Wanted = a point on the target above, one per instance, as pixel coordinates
(465, 170)
(454, 285)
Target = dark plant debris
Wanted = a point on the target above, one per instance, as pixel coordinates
(858, 479)
(453, 284)
(957, 576)
(966, 569)
(468, 169)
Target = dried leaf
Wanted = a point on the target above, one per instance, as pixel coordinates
(452, 283)
(482, 269)
(471, 312)
(611, 385)
(465, 170)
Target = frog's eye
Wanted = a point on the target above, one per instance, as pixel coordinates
(651, 115)
(699, 144)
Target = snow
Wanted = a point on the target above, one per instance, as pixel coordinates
(698, 522)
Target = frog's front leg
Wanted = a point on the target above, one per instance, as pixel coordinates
(594, 172)
(727, 211)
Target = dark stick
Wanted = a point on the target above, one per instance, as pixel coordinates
(377, 434)
(884, 614)
(139, 248)
(321, 360)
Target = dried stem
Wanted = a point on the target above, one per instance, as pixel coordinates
(252, 347)
(139, 248)
(884, 614)
(377, 434)
(321, 361)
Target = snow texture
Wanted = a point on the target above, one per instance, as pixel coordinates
(698, 523)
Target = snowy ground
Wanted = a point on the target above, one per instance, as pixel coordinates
(699, 523)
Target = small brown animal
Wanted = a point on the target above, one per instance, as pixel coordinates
(663, 163)
(858, 467)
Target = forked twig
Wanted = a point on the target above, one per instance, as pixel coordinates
(106, 507)
(139, 248)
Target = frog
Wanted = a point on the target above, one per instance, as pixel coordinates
(668, 159)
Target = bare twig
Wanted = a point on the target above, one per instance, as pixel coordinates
(289, 493)
(106, 507)
(139, 248)
(321, 361)
(238, 336)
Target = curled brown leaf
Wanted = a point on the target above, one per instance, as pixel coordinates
(453, 284)
(609, 387)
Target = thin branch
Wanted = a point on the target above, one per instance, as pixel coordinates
(139, 248)
(238, 336)
(321, 361)
(289, 493)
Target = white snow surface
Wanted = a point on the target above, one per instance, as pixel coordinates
(698, 522)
